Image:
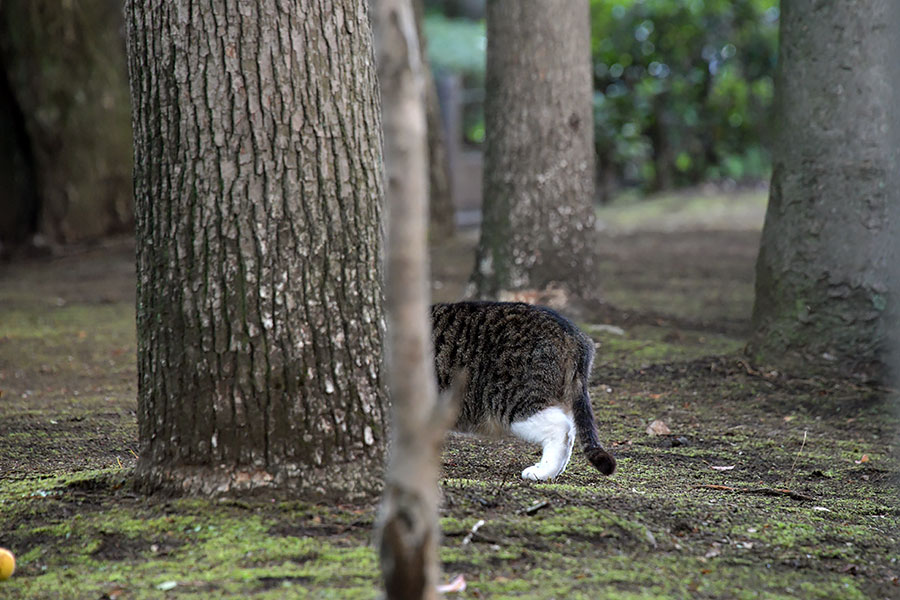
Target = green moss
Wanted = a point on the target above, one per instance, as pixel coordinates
(651, 531)
(205, 547)
(644, 345)
(679, 210)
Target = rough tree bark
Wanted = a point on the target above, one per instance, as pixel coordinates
(258, 194)
(823, 270)
(65, 170)
(407, 523)
(538, 218)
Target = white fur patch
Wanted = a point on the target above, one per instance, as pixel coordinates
(554, 429)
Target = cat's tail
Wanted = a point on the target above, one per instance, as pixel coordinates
(583, 413)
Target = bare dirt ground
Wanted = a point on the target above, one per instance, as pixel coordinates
(769, 484)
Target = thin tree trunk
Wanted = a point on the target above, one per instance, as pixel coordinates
(441, 212)
(407, 524)
(892, 314)
(823, 271)
(258, 189)
(538, 221)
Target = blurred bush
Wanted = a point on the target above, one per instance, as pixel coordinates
(458, 46)
(682, 88)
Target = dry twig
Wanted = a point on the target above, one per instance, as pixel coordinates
(765, 491)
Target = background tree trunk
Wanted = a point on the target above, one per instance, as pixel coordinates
(539, 151)
(258, 195)
(822, 275)
(892, 316)
(66, 108)
(441, 212)
(19, 217)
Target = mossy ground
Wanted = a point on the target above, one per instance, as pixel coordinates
(668, 524)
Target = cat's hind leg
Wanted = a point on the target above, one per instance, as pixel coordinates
(555, 431)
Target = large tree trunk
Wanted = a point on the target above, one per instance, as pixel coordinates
(19, 197)
(258, 200)
(66, 106)
(539, 152)
(823, 269)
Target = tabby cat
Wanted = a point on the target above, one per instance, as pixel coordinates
(527, 368)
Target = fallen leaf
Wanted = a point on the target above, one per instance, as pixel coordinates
(821, 509)
(167, 585)
(864, 459)
(789, 418)
(658, 427)
(655, 396)
(114, 594)
(717, 468)
(554, 297)
(457, 585)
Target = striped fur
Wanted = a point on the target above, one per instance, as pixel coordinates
(520, 360)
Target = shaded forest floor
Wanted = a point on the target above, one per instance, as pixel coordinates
(770, 484)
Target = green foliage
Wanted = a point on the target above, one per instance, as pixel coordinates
(459, 46)
(682, 89)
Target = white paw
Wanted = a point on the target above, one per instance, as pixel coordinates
(534, 473)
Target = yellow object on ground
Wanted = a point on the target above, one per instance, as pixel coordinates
(7, 564)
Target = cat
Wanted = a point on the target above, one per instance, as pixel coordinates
(527, 370)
